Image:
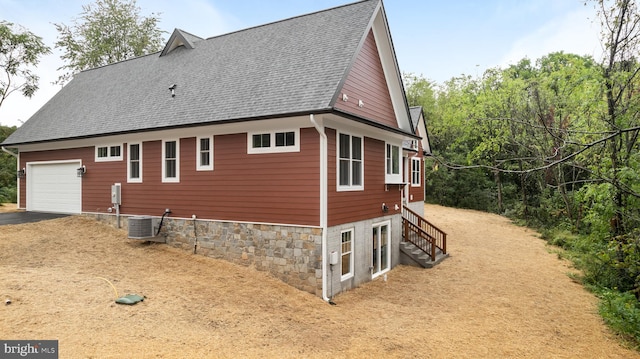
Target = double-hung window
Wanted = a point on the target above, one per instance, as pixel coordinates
(204, 153)
(170, 161)
(134, 167)
(350, 162)
(108, 153)
(273, 141)
(347, 254)
(392, 164)
(416, 172)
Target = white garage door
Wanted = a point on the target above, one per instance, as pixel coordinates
(54, 187)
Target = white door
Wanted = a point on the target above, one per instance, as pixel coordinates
(54, 187)
(381, 249)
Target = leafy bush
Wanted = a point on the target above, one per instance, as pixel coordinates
(621, 311)
(8, 195)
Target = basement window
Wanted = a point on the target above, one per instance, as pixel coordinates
(108, 153)
(347, 254)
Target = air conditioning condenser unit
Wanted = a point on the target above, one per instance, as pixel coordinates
(141, 227)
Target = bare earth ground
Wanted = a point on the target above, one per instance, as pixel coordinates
(7, 207)
(502, 294)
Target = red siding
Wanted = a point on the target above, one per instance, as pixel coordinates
(98, 176)
(366, 82)
(350, 206)
(272, 188)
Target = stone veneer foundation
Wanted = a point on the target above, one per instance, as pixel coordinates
(291, 254)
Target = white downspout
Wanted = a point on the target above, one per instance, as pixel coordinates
(323, 201)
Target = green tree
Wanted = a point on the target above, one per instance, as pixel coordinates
(621, 73)
(20, 51)
(8, 187)
(107, 31)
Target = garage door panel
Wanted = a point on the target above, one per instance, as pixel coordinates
(54, 187)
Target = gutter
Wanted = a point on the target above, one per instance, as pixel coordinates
(323, 201)
(9, 152)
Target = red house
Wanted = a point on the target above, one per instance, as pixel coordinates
(288, 146)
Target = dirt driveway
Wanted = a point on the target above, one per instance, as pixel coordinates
(501, 294)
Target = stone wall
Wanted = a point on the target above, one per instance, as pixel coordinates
(291, 254)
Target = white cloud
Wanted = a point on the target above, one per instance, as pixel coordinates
(575, 32)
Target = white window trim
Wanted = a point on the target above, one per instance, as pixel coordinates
(416, 159)
(392, 177)
(200, 167)
(380, 225)
(343, 188)
(129, 179)
(109, 158)
(273, 148)
(175, 179)
(351, 261)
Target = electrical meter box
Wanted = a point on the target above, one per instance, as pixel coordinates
(333, 258)
(115, 194)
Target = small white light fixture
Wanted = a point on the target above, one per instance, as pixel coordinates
(173, 90)
(345, 98)
(360, 103)
(81, 171)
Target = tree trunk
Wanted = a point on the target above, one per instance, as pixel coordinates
(523, 189)
(496, 176)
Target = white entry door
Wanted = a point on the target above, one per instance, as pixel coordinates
(54, 187)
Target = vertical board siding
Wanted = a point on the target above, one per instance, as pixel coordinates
(366, 81)
(270, 188)
(352, 206)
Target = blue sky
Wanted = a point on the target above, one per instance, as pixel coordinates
(435, 38)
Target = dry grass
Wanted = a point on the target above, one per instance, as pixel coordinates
(501, 294)
(8, 207)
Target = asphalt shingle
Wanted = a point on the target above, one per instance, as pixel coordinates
(285, 67)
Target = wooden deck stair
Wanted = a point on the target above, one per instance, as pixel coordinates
(423, 243)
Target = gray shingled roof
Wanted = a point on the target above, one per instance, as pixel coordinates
(415, 112)
(286, 67)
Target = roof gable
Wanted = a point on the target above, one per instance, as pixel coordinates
(420, 125)
(283, 68)
(365, 92)
(180, 38)
(375, 61)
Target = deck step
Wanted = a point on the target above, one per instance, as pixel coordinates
(412, 255)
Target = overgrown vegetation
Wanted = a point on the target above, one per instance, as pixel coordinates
(552, 143)
(8, 185)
